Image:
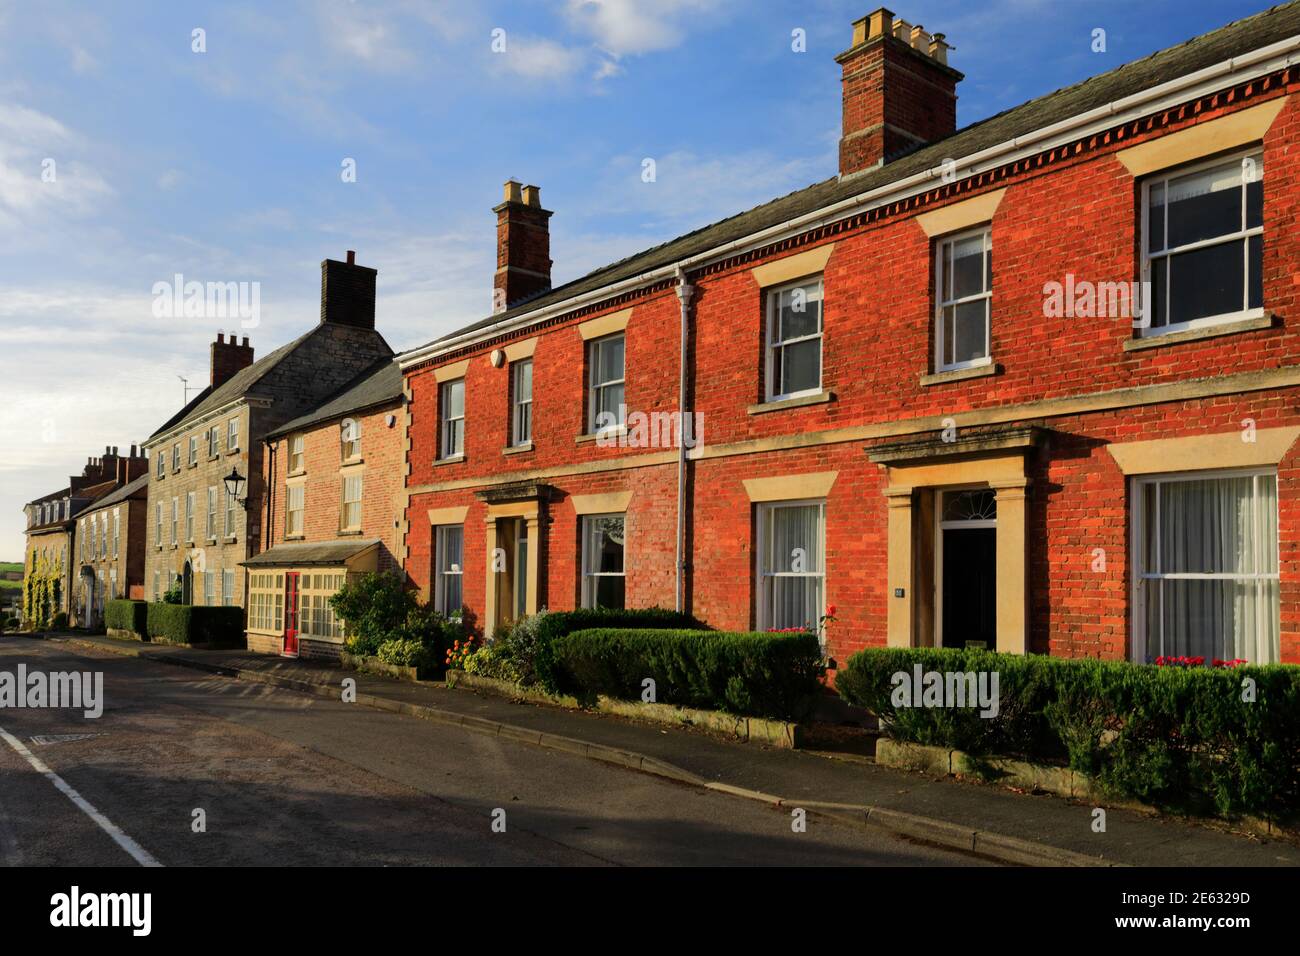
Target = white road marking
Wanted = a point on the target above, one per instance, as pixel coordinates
(138, 853)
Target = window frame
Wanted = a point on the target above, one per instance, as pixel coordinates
(595, 388)
(772, 301)
(521, 411)
(210, 520)
(444, 451)
(190, 502)
(1137, 546)
(589, 582)
(232, 435)
(1162, 177)
(763, 511)
(176, 457)
(194, 450)
(940, 303)
(441, 574)
(344, 502)
(289, 510)
(297, 453)
(214, 441)
(354, 454)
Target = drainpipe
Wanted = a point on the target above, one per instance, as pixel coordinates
(684, 291)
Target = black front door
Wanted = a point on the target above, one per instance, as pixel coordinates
(970, 586)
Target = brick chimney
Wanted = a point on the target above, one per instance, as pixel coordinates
(347, 293)
(899, 91)
(229, 358)
(131, 467)
(523, 246)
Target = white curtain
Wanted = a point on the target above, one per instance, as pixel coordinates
(794, 566)
(1226, 527)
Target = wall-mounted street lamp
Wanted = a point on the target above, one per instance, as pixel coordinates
(234, 485)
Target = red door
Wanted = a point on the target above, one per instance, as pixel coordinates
(291, 615)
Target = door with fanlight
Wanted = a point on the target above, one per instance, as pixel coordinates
(966, 586)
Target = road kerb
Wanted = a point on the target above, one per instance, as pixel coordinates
(936, 832)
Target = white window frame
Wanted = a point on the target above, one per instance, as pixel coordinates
(214, 441)
(1243, 235)
(940, 303)
(194, 449)
(765, 509)
(189, 517)
(176, 457)
(521, 410)
(1137, 542)
(232, 435)
(594, 387)
(227, 588)
(445, 450)
(297, 453)
(442, 573)
(161, 469)
(158, 523)
(117, 530)
(589, 576)
(210, 525)
(176, 510)
(772, 301)
(350, 450)
(356, 503)
(292, 529)
(232, 521)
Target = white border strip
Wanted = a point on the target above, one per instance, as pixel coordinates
(138, 853)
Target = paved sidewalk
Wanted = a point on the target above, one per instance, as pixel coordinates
(946, 809)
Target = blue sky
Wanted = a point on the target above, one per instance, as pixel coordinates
(226, 165)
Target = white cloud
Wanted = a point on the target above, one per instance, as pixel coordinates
(630, 27)
(35, 176)
(537, 58)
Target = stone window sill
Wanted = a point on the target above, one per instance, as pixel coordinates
(609, 433)
(230, 540)
(349, 532)
(295, 537)
(453, 460)
(818, 398)
(1265, 321)
(517, 449)
(961, 374)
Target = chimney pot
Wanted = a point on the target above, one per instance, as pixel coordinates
(523, 246)
(245, 342)
(894, 100)
(352, 257)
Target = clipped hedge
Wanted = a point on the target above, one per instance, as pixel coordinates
(757, 674)
(121, 614)
(196, 624)
(553, 625)
(1179, 737)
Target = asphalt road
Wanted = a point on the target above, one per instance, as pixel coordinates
(288, 779)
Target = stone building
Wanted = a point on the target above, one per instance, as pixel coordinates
(198, 533)
(108, 555)
(50, 559)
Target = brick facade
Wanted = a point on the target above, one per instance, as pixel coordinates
(1084, 390)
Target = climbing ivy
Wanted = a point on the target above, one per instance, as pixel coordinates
(42, 591)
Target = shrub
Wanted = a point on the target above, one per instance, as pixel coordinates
(529, 640)
(174, 593)
(59, 622)
(196, 624)
(407, 652)
(492, 660)
(380, 610)
(762, 674)
(1180, 737)
(124, 615)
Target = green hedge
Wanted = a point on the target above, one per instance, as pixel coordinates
(550, 626)
(760, 674)
(196, 624)
(1179, 737)
(124, 615)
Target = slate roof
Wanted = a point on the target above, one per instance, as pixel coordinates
(123, 493)
(1242, 36)
(310, 554)
(376, 386)
(91, 492)
(234, 387)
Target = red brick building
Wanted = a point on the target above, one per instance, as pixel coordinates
(333, 508)
(1031, 384)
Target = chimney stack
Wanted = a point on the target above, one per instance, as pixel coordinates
(347, 293)
(899, 91)
(227, 358)
(523, 246)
